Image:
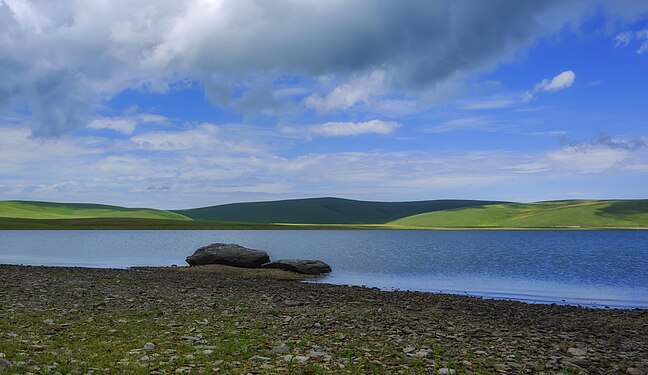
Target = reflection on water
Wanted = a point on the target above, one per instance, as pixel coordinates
(594, 268)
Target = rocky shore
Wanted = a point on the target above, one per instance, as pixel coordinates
(224, 320)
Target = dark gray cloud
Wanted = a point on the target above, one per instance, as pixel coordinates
(61, 59)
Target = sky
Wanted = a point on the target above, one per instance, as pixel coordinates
(179, 104)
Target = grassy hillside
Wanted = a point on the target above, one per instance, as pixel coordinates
(323, 211)
(578, 213)
(332, 213)
(48, 210)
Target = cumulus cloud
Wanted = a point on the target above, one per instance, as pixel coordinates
(63, 59)
(344, 129)
(559, 82)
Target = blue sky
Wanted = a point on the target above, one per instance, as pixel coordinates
(186, 104)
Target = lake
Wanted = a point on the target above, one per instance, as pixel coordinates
(589, 268)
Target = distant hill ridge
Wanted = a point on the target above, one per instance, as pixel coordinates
(346, 213)
(326, 210)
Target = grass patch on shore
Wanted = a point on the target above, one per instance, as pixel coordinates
(98, 333)
(553, 214)
(114, 340)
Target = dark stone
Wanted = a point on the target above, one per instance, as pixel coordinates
(228, 254)
(310, 267)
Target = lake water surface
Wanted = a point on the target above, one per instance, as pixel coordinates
(590, 268)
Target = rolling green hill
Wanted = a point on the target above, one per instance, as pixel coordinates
(566, 214)
(323, 211)
(316, 213)
(49, 210)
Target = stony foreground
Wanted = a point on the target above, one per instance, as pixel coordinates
(74, 320)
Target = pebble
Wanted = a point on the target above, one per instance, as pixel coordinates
(295, 358)
(208, 352)
(316, 354)
(145, 358)
(446, 371)
(578, 361)
(279, 349)
(48, 321)
(577, 352)
(149, 346)
(5, 364)
(480, 352)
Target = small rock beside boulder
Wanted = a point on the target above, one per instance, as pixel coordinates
(309, 267)
(228, 254)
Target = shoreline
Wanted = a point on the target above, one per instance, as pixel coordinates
(159, 224)
(260, 273)
(236, 322)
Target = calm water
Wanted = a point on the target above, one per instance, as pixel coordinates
(593, 268)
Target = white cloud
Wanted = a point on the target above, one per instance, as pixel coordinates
(152, 118)
(475, 122)
(122, 125)
(344, 129)
(340, 129)
(623, 39)
(643, 34)
(168, 171)
(19, 150)
(559, 82)
(490, 104)
(204, 136)
(345, 96)
(588, 158)
(126, 124)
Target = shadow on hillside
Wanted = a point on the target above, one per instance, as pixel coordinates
(624, 209)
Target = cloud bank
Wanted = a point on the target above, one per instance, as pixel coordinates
(62, 60)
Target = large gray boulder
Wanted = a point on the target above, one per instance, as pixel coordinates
(228, 254)
(310, 267)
